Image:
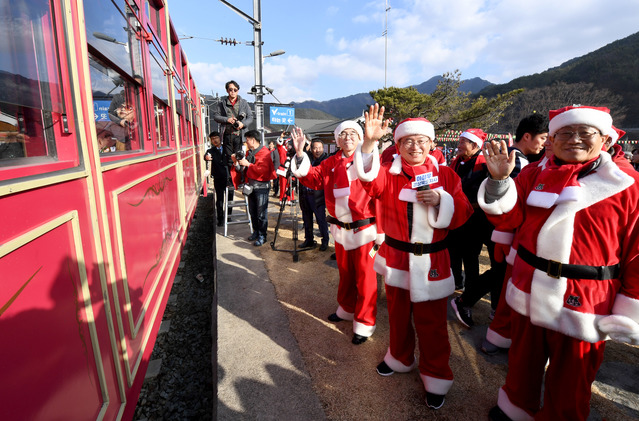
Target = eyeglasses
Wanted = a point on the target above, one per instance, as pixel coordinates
(344, 135)
(408, 143)
(232, 90)
(583, 135)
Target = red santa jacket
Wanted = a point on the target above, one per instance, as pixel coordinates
(347, 204)
(597, 226)
(427, 277)
(262, 169)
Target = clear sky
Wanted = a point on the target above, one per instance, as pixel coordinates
(336, 48)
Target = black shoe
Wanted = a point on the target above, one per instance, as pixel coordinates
(333, 256)
(358, 339)
(384, 370)
(434, 401)
(489, 348)
(324, 246)
(253, 236)
(260, 240)
(464, 314)
(496, 414)
(220, 223)
(308, 243)
(335, 318)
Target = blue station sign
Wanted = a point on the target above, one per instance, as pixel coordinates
(282, 115)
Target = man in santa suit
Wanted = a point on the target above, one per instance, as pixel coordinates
(352, 219)
(575, 278)
(282, 170)
(422, 202)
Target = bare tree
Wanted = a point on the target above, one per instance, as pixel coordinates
(557, 95)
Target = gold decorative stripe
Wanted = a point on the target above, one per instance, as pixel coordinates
(17, 294)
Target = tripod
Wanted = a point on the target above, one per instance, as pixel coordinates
(289, 187)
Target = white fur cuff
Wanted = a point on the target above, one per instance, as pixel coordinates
(499, 207)
(304, 168)
(367, 165)
(620, 328)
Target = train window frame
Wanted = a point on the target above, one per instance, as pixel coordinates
(119, 126)
(56, 122)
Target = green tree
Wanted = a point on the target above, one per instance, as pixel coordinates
(448, 107)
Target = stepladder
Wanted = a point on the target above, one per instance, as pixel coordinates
(231, 201)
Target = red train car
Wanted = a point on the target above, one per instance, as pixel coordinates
(100, 149)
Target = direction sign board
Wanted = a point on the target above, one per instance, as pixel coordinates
(282, 115)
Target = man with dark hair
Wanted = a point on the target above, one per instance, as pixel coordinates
(215, 155)
(259, 171)
(234, 115)
(312, 202)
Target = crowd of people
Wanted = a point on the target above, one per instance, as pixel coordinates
(557, 211)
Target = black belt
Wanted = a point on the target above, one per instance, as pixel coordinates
(350, 225)
(416, 248)
(557, 269)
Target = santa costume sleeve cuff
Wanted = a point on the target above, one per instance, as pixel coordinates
(367, 164)
(442, 215)
(505, 203)
(303, 169)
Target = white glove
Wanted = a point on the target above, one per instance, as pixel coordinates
(620, 328)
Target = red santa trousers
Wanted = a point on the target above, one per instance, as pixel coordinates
(569, 376)
(432, 333)
(499, 330)
(357, 291)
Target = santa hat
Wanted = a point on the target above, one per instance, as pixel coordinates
(410, 126)
(348, 124)
(477, 136)
(615, 135)
(598, 117)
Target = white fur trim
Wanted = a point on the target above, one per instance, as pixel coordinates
(362, 329)
(379, 239)
(397, 365)
(363, 161)
(305, 167)
(570, 194)
(501, 206)
(502, 237)
(408, 195)
(341, 192)
(351, 240)
(473, 138)
(396, 166)
(435, 385)
(588, 116)
(392, 276)
(440, 217)
(416, 127)
(620, 328)
(510, 259)
(343, 314)
(626, 306)
(498, 340)
(514, 412)
(541, 199)
(348, 124)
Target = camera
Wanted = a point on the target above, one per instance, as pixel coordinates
(240, 117)
(239, 155)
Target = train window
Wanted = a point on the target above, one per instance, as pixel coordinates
(161, 123)
(31, 102)
(116, 103)
(159, 85)
(156, 16)
(115, 34)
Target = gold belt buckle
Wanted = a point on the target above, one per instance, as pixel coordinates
(552, 264)
(419, 249)
(347, 225)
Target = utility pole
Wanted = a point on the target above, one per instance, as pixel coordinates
(386, 41)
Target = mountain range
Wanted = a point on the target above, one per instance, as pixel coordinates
(613, 67)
